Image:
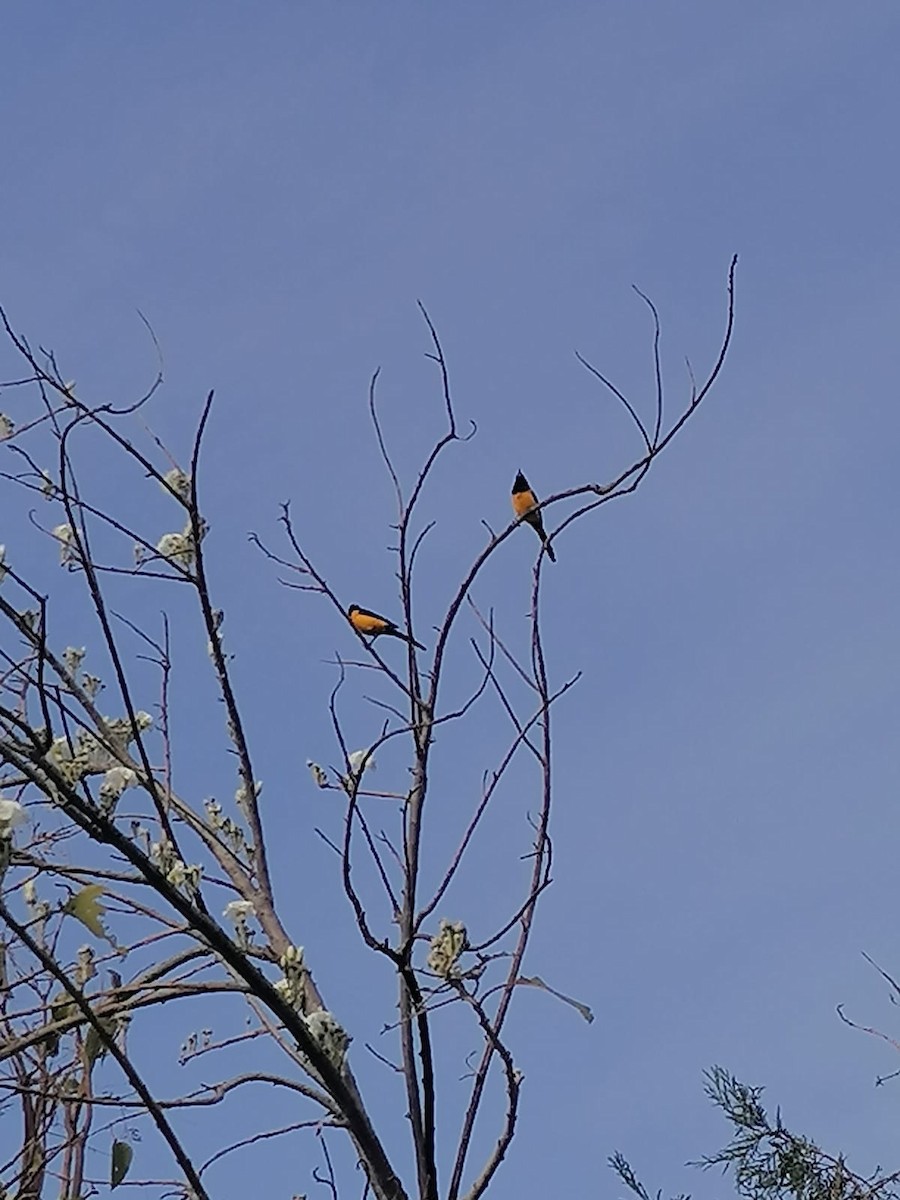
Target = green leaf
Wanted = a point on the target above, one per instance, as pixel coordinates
(122, 1154)
(62, 1006)
(94, 1045)
(85, 906)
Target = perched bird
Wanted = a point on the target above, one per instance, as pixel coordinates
(372, 625)
(524, 503)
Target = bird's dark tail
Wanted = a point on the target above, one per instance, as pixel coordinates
(534, 519)
(404, 637)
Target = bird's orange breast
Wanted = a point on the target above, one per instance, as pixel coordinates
(365, 623)
(523, 502)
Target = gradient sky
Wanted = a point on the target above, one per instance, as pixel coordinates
(274, 186)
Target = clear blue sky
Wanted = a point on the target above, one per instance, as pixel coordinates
(274, 186)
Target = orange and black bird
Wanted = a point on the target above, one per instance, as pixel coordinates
(525, 503)
(373, 626)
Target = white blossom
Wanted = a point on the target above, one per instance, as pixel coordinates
(141, 834)
(73, 656)
(238, 910)
(177, 873)
(91, 684)
(60, 751)
(68, 547)
(292, 958)
(446, 947)
(320, 777)
(179, 482)
(193, 873)
(177, 547)
(240, 796)
(328, 1034)
(6, 427)
(360, 761)
(115, 781)
(121, 727)
(161, 853)
(286, 990)
(12, 815)
(213, 813)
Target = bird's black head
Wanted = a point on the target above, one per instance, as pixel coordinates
(520, 484)
(352, 609)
